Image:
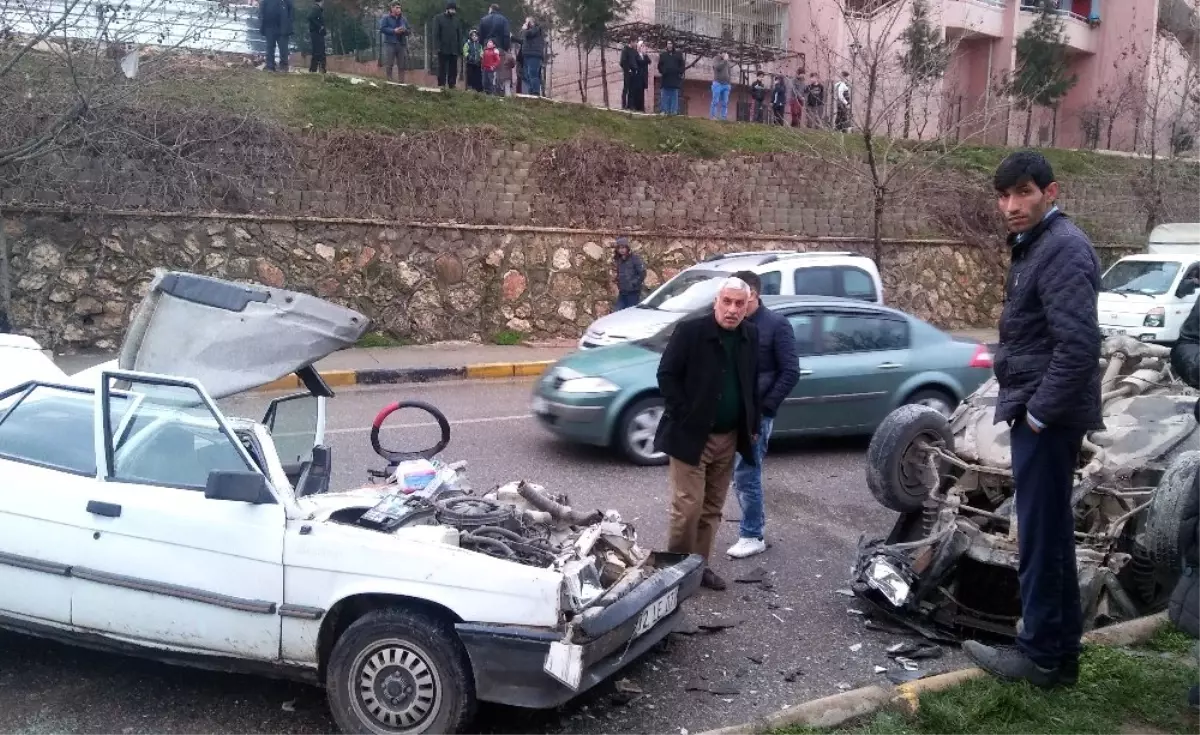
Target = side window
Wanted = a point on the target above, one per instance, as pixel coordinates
(844, 333)
(856, 284)
(169, 436)
(804, 327)
(51, 427)
(771, 283)
(815, 282)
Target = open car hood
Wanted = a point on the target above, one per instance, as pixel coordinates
(232, 337)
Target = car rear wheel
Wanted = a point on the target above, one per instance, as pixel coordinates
(1165, 519)
(898, 463)
(399, 671)
(636, 431)
(935, 398)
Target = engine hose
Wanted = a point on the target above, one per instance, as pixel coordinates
(395, 456)
(557, 511)
(497, 544)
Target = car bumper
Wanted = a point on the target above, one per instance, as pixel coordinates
(586, 423)
(1157, 335)
(509, 661)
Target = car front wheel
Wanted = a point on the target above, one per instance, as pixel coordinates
(899, 472)
(636, 431)
(399, 671)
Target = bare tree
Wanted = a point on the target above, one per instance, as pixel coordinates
(69, 67)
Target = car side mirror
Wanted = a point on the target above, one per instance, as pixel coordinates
(241, 487)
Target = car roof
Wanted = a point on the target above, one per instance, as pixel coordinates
(761, 259)
(784, 302)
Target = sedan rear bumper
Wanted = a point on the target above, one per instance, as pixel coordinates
(509, 661)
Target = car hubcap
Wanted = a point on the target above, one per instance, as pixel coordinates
(937, 404)
(642, 429)
(397, 689)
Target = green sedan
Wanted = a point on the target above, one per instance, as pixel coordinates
(858, 362)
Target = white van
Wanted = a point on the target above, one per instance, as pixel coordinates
(783, 272)
(1148, 296)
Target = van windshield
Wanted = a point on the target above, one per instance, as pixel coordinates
(1149, 277)
(686, 291)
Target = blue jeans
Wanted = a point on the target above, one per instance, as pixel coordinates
(626, 299)
(747, 480)
(720, 97)
(533, 75)
(670, 101)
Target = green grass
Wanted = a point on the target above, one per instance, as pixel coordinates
(1170, 639)
(333, 102)
(380, 339)
(1117, 691)
(507, 337)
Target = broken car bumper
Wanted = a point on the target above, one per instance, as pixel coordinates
(510, 662)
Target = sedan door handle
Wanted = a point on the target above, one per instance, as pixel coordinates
(805, 371)
(889, 365)
(110, 510)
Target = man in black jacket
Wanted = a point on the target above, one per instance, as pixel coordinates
(778, 372)
(671, 68)
(629, 61)
(533, 48)
(495, 27)
(316, 35)
(275, 23)
(1184, 607)
(1049, 394)
(707, 379)
(448, 40)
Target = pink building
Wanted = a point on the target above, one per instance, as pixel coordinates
(1135, 62)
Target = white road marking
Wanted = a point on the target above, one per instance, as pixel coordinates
(421, 424)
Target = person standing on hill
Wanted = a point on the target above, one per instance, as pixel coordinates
(628, 65)
(671, 68)
(394, 29)
(533, 48)
(448, 40)
(630, 275)
(316, 36)
(641, 79)
(473, 61)
(720, 87)
(275, 18)
(495, 27)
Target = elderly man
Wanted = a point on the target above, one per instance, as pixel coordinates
(630, 275)
(707, 379)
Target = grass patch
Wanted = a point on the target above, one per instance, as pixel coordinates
(1116, 690)
(379, 339)
(1170, 639)
(507, 337)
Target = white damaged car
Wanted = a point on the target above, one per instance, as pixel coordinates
(135, 516)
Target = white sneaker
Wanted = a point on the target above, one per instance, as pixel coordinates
(747, 547)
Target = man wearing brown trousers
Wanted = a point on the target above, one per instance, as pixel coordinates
(707, 379)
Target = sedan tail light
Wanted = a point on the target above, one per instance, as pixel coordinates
(982, 357)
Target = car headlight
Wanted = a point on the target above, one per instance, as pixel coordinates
(1155, 317)
(588, 385)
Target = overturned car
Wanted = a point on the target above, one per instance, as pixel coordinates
(948, 569)
(138, 515)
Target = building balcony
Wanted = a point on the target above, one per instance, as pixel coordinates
(975, 17)
(1079, 34)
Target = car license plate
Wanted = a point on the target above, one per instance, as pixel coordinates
(657, 610)
(540, 405)
(1111, 331)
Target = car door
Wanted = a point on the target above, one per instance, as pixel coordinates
(297, 424)
(169, 565)
(47, 473)
(798, 414)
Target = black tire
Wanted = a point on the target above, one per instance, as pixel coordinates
(934, 398)
(634, 422)
(413, 653)
(1165, 518)
(895, 474)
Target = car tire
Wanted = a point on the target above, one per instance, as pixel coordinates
(636, 429)
(1165, 517)
(936, 398)
(896, 467)
(416, 659)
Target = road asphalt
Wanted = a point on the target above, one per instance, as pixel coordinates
(794, 636)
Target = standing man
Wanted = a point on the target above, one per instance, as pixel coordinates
(533, 48)
(841, 99)
(670, 68)
(495, 27)
(778, 372)
(448, 39)
(814, 101)
(1049, 394)
(628, 73)
(706, 377)
(720, 87)
(1184, 607)
(316, 36)
(796, 97)
(630, 275)
(275, 18)
(394, 29)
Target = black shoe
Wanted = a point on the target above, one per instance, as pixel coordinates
(1011, 664)
(1068, 671)
(710, 580)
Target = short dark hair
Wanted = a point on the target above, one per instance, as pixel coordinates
(1020, 167)
(752, 280)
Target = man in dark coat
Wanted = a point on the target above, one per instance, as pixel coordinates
(495, 27)
(778, 373)
(448, 40)
(394, 30)
(533, 48)
(1184, 607)
(1047, 367)
(316, 36)
(671, 68)
(707, 380)
(630, 275)
(628, 73)
(275, 18)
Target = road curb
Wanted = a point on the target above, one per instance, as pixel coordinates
(838, 708)
(390, 376)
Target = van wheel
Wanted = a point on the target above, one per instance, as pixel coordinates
(636, 430)
(399, 671)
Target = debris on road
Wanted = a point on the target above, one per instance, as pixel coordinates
(718, 625)
(907, 663)
(902, 676)
(914, 650)
(755, 659)
(844, 686)
(754, 576)
(855, 611)
(791, 676)
(856, 647)
(777, 617)
(289, 706)
(626, 686)
(880, 669)
(845, 592)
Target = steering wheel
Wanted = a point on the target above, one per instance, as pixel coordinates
(395, 457)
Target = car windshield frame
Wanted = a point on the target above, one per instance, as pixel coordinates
(667, 292)
(1148, 268)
